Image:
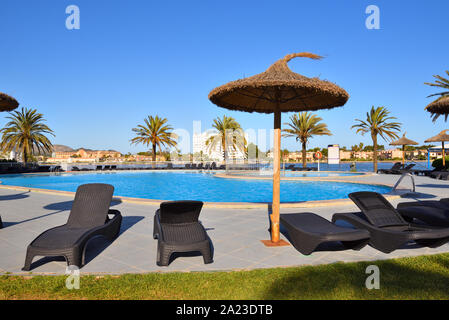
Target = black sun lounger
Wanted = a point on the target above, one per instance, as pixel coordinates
(439, 175)
(388, 229)
(308, 230)
(177, 229)
(88, 218)
(431, 212)
(406, 169)
(395, 167)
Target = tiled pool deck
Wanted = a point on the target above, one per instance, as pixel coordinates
(236, 235)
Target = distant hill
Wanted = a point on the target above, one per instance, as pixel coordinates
(61, 148)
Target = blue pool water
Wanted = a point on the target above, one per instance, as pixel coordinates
(192, 186)
(300, 174)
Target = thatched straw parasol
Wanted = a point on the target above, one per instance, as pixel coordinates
(439, 107)
(403, 142)
(277, 90)
(441, 137)
(7, 103)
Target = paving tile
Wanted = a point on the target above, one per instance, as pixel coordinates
(235, 234)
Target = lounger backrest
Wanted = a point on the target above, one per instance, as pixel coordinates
(396, 166)
(377, 209)
(408, 167)
(91, 205)
(180, 211)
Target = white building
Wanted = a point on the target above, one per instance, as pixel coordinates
(215, 153)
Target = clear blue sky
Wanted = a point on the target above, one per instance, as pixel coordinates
(134, 58)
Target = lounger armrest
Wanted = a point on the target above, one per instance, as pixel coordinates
(114, 213)
(157, 228)
(110, 229)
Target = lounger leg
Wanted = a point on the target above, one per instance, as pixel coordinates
(155, 229)
(355, 245)
(207, 255)
(164, 258)
(432, 243)
(28, 260)
(74, 260)
(163, 254)
(1, 223)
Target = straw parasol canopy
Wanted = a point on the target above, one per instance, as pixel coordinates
(7, 103)
(277, 90)
(403, 142)
(439, 107)
(441, 137)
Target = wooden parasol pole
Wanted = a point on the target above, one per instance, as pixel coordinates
(403, 154)
(275, 233)
(442, 151)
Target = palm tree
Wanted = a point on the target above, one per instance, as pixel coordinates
(304, 126)
(356, 148)
(440, 82)
(25, 133)
(377, 123)
(156, 132)
(229, 135)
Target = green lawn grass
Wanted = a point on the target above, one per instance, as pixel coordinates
(423, 277)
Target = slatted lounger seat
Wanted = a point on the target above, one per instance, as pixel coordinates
(308, 230)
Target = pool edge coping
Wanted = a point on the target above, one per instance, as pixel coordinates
(224, 205)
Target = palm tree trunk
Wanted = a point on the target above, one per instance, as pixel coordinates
(304, 155)
(154, 152)
(223, 143)
(25, 153)
(374, 137)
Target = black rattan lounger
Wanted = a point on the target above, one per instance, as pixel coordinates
(395, 167)
(308, 230)
(177, 229)
(406, 169)
(88, 218)
(439, 175)
(431, 212)
(388, 229)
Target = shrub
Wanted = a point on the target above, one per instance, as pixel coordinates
(438, 163)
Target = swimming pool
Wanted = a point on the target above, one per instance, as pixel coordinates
(298, 174)
(166, 185)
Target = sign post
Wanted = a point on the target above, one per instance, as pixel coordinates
(318, 156)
